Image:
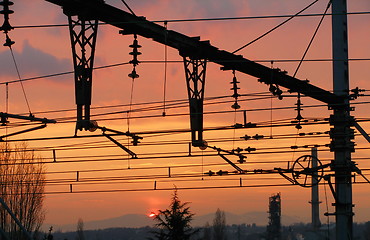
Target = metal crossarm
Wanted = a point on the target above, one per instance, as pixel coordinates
(83, 35)
(195, 73)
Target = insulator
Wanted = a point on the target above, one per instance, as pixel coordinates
(135, 140)
(133, 74)
(135, 44)
(299, 116)
(235, 105)
(6, 27)
(6, 4)
(249, 149)
(258, 136)
(134, 61)
(220, 173)
(6, 11)
(246, 137)
(238, 150)
(135, 52)
(8, 42)
(242, 159)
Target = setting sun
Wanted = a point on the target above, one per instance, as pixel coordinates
(152, 215)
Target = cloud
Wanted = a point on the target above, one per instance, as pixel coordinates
(32, 61)
(193, 8)
(220, 8)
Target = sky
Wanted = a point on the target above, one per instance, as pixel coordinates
(128, 185)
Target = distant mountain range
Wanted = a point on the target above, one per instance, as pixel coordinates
(138, 220)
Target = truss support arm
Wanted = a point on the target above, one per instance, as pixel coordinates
(202, 49)
(195, 73)
(83, 33)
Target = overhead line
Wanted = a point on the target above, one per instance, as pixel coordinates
(202, 19)
(174, 61)
(178, 188)
(276, 27)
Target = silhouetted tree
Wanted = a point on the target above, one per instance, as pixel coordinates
(80, 230)
(22, 182)
(207, 233)
(219, 225)
(174, 223)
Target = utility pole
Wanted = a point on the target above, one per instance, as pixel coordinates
(315, 214)
(341, 133)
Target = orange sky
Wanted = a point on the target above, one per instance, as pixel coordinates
(43, 51)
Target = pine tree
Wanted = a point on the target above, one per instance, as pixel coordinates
(174, 223)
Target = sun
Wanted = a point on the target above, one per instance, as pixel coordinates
(152, 215)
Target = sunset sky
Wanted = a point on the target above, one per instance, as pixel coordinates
(110, 183)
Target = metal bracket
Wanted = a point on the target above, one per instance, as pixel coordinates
(234, 152)
(195, 73)
(361, 130)
(133, 155)
(240, 171)
(23, 131)
(83, 34)
(135, 138)
(4, 121)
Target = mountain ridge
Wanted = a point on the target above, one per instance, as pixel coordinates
(141, 220)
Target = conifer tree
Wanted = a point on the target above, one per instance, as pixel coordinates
(174, 222)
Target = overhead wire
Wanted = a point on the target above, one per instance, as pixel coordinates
(20, 80)
(173, 61)
(274, 28)
(165, 69)
(204, 19)
(20, 124)
(171, 188)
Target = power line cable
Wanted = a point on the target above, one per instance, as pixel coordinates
(312, 39)
(128, 7)
(20, 79)
(276, 27)
(174, 61)
(203, 19)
